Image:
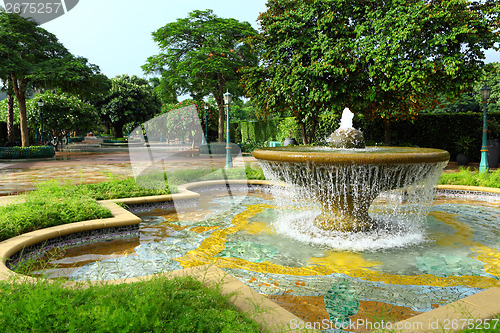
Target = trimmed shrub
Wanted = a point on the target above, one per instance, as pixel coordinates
(27, 152)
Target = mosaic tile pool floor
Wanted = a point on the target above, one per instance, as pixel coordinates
(459, 257)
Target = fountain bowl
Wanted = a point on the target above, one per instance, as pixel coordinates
(346, 181)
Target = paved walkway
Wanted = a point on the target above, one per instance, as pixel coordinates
(16, 177)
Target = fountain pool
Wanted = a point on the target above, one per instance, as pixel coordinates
(456, 254)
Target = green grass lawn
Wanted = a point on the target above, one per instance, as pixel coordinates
(467, 177)
(159, 305)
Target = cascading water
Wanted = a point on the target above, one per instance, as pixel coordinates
(359, 198)
(325, 208)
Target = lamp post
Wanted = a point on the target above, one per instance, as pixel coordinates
(204, 139)
(40, 105)
(483, 165)
(229, 160)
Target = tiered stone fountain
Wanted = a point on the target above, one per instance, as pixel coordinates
(345, 177)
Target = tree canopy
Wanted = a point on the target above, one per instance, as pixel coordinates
(201, 55)
(129, 100)
(30, 56)
(388, 59)
(62, 113)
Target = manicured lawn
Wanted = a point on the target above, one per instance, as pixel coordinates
(159, 305)
(471, 178)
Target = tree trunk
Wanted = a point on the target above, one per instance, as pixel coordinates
(311, 133)
(10, 116)
(304, 134)
(220, 107)
(118, 130)
(387, 132)
(20, 91)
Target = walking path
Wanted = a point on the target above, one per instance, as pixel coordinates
(16, 177)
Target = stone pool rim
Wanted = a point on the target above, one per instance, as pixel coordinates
(482, 305)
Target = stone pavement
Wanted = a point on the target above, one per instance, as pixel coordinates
(85, 167)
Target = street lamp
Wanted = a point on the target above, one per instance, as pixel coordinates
(204, 139)
(483, 165)
(40, 105)
(229, 160)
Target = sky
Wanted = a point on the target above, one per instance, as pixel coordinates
(116, 34)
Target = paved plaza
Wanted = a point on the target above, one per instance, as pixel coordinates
(91, 167)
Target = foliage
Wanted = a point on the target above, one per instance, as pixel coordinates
(435, 130)
(287, 128)
(491, 79)
(242, 110)
(181, 304)
(26, 152)
(183, 121)
(52, 204)
(465, 102)
(30, 56)
(201, 55)
(250, 145)
(260, 130)
(129, 100)
(465, 145)
(466, 177)
(387, 59)
(62, 113)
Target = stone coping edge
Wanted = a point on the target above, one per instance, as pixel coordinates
(271, 316)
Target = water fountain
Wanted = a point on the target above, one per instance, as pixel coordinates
(384, 267)
(345, 177)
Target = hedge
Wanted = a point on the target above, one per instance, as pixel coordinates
(26, 152)
(431, 130)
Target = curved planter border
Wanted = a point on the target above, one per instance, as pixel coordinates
(482, 305)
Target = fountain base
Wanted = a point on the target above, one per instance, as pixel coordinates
(345, 213)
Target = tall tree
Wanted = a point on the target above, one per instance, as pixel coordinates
(32, 56)
(201, 55)
(130, 100)
(387, 59)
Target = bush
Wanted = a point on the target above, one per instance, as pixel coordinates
(27, 152)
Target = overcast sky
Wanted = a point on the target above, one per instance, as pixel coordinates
(116, 34)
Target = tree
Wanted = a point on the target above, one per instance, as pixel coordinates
(10, 111)
(201, 55)
(130, 100)
(387, 59)
(491, 79)
(62, 113)
(30, 56)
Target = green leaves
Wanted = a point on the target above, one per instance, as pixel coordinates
(382, 59)
(201, 55)
(130, 100)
